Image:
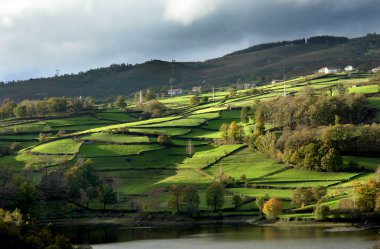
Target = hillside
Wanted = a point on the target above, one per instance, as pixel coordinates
(258, 65)
(131, 156)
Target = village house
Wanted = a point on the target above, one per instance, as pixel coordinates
(175, 91)
(376, 69)
(349, 68)
(328, 70)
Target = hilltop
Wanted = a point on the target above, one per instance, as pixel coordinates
(259, 64)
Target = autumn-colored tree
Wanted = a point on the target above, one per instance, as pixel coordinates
(366, 195)
(234, 132)
(272, 208)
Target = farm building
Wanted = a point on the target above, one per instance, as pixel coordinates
(349, 68)
(376, 69)
(328, 70)
(175, 91)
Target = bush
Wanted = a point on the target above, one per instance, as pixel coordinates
(321, 212)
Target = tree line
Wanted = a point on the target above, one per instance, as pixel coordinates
(41, 108)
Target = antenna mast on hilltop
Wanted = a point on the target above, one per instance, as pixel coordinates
(57, 72)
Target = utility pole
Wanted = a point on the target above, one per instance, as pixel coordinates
(141, 96)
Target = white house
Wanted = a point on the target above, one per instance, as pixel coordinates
(376, 69)
(349, 68)
(175, 91)
(328, 70)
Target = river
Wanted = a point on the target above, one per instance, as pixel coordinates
(218, 236)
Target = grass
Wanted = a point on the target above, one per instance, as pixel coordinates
(115, 138)
(109, 150)
(120, 117)
(127, 125)
(252, 164)
(210, 115)
(163, 131)
(259, 192)
(298, 175)
(28, 127)
(365, 89)
(183, 122)
(62, 146)
(75, 121)
(35, 161)
(203, 159)
(370, 163)
(374, 102)
(165, 158)
(202, 134)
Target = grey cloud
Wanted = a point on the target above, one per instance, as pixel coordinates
(78, 36)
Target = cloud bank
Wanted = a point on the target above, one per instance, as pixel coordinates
(39, 36)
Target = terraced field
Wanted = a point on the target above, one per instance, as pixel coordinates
(125, 148)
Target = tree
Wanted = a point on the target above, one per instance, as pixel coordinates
(149, 95)
(272, 208)
(42, 137)
(20, 111)
(331, 161)
(215, 196)
(174, 200)
(120, 102)
(237, 200)
(302, 196)
(164, 140)
(190, 147)
(366, 195)
(260, 203)
(190, 200)
(321, 212)
(224, 131)
(234, 132)
(244, 117)
(194, 100)
(107, 196)
(341, 89)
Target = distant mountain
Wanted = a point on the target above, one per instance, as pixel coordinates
(259, 63)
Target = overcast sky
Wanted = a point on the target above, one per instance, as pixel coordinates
(39, 36)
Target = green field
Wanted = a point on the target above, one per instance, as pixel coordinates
(115, 138)
(110, 150)
(160, 131)
(365, 89)
(75, 121)
(252, 164)
(63, 146)
(125, 148)
(203, 159)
